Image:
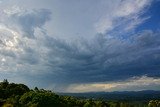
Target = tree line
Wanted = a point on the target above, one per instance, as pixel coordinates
(19, 95)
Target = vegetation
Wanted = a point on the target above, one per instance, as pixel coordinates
(19, 95)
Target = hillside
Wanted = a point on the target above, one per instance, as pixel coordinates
(145, 95)
(19, 95)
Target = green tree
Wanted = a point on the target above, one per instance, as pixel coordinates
(102, 104)
(153, 103)
(4, 84)
(41, 99)
(7, 105)
(88, 104)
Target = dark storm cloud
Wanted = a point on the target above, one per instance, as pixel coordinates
(105, 59)
(63, 62)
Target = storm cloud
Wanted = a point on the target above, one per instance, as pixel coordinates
(106, 59)
(31, 54)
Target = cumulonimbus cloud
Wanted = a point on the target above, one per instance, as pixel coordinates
(27, 49)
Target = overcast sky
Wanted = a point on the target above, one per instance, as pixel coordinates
(81, 45)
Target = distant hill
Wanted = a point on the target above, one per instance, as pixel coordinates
(145, 95)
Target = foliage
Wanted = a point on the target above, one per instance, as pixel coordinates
(40, 98)
(19, 95)
(154, 103)
(7, 105)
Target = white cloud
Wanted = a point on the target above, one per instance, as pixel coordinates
(124, 14)
(130, 7)
(12, 10)
(24, 21)
(17, 46)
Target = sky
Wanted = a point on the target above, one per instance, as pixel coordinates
(81, 45)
